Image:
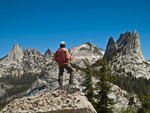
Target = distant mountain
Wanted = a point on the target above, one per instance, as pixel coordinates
(19, 69)
(48, 54)
(86, 51)
(38, 73)
(21, 64)
(20, 61)
(15, 55)
(125, 56)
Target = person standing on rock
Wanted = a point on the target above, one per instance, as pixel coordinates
(62, 57)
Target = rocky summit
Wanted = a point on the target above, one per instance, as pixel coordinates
(86, 51)
(15, 55)
(128, 44)
(111, 47)
(48, 54)
(67, 99)
(126, 57)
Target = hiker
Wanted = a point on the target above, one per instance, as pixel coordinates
(62, 57)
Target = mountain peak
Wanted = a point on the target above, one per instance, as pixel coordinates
(48, 53)
(128, 57)
(86, 50)
(36, 52)
(127, 44)
(16, 44)
(29, 49)
(90, 43)
(134, 31)
(111, 41)
(111, 47)
(16, 53)
(123, 39)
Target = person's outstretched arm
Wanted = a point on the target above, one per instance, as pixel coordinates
(67, 55)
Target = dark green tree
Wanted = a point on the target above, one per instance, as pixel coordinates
(3, 104)
(88, 83)
(131, 101)
(139, 86)
(103, 87)
(145, 105)
(100, 100)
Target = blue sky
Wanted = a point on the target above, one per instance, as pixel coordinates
(42, 24)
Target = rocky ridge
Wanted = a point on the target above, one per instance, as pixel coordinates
(32, 62)
(125, 56)
(68, 99)
(35, 62)
(48, 54)
(111, 47)
(86, 51)
(15, 65)
(16, 55)
(20, 61)
(121, 99)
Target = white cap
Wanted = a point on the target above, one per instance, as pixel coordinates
(62, 43)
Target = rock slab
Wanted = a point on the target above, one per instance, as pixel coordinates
(67, 99)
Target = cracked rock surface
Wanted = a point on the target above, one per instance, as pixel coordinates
(67, 99)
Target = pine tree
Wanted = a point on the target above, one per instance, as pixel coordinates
(88, 83)
(104, 103)
(145, 105)
(3, 104)
(100, 100)
(131, 101)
